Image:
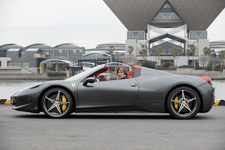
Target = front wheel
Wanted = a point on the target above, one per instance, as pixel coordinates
(57, 103)
(183, 103)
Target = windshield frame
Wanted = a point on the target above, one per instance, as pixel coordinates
(83, 75)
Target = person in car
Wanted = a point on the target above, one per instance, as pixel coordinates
(121, 73)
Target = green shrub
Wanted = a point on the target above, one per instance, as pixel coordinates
(167, 64)
(186, 66)
(216, 67)
(56, 74)
(199, 68)
(161, 68)
(149, 64)
(172, 68)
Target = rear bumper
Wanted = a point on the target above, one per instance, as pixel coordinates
(208, 97)
(213, 95)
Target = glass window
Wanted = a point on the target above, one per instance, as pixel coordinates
(23, 54)
(85, 73)
(26, 64)
(14, 64)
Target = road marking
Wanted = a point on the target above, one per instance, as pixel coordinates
(5, 101)
(219, 102)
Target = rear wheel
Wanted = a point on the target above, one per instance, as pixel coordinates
(57, 103)
(183, 103)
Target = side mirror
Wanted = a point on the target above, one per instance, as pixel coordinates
(89, 80)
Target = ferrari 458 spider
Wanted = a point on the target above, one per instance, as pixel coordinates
(144, 90)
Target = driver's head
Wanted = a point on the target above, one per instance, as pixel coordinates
(121, 72)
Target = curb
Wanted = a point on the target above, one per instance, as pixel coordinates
(219, 102)
(5, 101)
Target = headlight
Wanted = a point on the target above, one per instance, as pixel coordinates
(31, 87)
(35, 86)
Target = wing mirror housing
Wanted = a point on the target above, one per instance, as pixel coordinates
(89, 80)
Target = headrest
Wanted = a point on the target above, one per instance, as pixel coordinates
(130, 73)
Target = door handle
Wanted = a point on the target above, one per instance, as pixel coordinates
(133, 85)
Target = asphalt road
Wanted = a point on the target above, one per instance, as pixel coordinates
(27, 131)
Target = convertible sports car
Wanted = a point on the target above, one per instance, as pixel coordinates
(144, 90)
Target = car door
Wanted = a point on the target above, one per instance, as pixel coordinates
(114, 93)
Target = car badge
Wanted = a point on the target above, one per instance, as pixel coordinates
(73, 84)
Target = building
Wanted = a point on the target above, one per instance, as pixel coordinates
(103, 49)
(217, 46)
(4, 60)
(168, 24)
(17, 56)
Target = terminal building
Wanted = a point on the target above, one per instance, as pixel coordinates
(217, 46)
(168, 24)
(101, 52)
(31, 56)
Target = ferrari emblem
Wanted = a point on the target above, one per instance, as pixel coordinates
(73, 85)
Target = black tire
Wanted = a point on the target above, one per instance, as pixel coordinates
(183, 103)
(57, 103)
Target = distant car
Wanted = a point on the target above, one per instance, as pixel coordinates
(144, 90)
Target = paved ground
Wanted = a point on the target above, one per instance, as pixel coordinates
(26, 131)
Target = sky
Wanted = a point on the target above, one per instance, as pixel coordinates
(85, 23)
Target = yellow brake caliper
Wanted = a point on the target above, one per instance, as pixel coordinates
(175, 104)
(64, 105)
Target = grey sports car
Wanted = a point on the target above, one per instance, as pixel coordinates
(144, 90)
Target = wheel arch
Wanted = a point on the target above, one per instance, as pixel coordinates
(186, 85)
(56, 86)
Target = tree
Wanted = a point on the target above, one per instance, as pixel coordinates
(144, 52)
(174, 53)
(188, 53)
(222, 57)
(159, 51)
(207, 51)
(130, 50)
(204, 51)
(202, 59)
(193, 48)
(111, 51)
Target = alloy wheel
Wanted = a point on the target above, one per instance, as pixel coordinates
(184, 103)
(57, 103)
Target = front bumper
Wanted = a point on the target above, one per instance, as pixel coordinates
(28, 103)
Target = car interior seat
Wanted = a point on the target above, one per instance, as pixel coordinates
(130, 74)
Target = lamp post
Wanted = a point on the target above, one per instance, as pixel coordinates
(194, 60)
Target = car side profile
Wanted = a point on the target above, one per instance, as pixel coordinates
(144, 90)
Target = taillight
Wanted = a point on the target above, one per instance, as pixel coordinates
(208, 79)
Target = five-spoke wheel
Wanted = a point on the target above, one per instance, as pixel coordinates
(57, 103)
(183, 102)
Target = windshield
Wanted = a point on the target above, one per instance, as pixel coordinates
(85, 73)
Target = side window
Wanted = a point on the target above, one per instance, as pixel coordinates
(113, 74)
(102, 77)
(106, 76)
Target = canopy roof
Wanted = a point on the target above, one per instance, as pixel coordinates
(135, 15)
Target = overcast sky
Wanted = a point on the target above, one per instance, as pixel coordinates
(83, 22)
